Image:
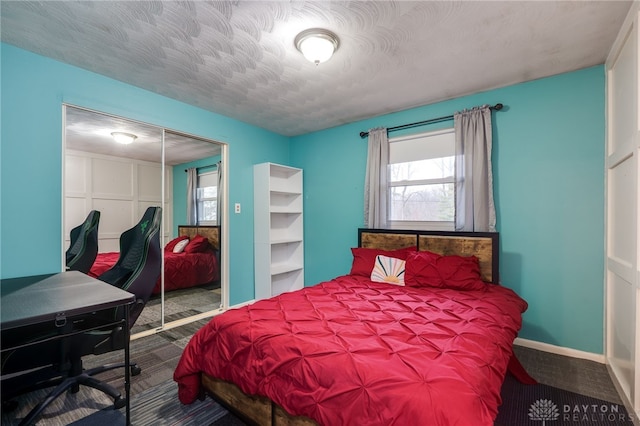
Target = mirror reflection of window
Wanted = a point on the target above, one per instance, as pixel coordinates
(207, 198)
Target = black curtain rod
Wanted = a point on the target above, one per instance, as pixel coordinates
(496, 107)
(203, 167)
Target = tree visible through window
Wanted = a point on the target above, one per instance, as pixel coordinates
(421, 180)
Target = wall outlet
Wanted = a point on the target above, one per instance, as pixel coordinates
(237, 208)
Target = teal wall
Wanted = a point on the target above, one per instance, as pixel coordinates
(548, 159)
(548, 181)
(33, 89)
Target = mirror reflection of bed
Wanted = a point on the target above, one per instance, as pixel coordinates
(122, 180)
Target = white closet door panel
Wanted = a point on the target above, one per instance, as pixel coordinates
(622, 99)
(116, 216)
(622, 213)
(75, 215)
(75, 176)
(113, 179)
(621, 253)
(77, 208)
(150, 182)
(621, 331)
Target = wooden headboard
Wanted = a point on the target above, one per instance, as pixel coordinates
(483, 245)
(212, 233)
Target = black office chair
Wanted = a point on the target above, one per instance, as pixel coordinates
(136, 271)
(83, 248)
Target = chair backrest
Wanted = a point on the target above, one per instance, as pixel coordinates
(83, 247)
(138, 266)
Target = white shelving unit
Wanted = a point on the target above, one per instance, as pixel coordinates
(279, 242)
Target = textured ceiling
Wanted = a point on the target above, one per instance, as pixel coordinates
(238, 59)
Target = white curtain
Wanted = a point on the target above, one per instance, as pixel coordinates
(219, 195)
(376, 182)
(475, 209)
(192, 196)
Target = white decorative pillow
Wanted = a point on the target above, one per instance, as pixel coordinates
(388, 270)
(179, 248)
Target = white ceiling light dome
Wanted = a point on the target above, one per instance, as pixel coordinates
(317, 44)
(124, 138)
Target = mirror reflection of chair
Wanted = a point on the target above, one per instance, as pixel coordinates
(83, 248)
(138, 266)
(136, 271)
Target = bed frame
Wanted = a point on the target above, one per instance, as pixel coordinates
(483, 245)
(258, 410)
(211, 233)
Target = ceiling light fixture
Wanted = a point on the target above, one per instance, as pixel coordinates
(124, 138)
(317, 44)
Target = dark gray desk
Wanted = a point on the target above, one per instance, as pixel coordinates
(55, 298)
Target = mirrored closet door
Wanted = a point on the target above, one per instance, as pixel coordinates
(120, 167)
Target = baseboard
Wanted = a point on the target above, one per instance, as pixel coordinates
(240, 305)
(560, 350)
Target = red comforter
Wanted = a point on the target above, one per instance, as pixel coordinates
(351, 351)
(181, 270)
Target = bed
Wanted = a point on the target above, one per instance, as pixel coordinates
(357, 351)
(186, 269)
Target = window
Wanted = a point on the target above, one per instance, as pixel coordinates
(207, 198)
(422, 181)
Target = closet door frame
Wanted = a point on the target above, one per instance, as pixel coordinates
(82, 192)
(622, 283)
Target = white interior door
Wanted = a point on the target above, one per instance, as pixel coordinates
(622, 291)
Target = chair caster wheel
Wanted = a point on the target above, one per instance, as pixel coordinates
(119, 403)
(135, 370)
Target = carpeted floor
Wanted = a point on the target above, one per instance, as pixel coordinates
(532, 404)
(156, 406)
(568, 385)
(193, 301)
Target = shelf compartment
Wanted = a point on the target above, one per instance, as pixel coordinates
(286, 257)
(285, 179)
(286, 227)
(287, 281)
(289, 202)
(283, 268)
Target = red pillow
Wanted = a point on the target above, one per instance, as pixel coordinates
(198, 244)
(426, 269)
(171, 244)
(364, 259)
